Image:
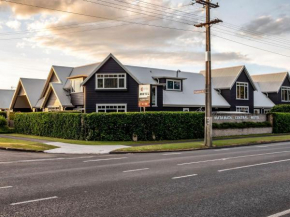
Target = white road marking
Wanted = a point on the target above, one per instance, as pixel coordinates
(129, 171)
(5, 187)
(223, 149)
(31, 201)
(254, 165)
(181, 177)
(281, 213)
(171, 154)
(230, 158)
(47, 159)
(108, 159)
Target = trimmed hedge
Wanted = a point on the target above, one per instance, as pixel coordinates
(241, 125)
(281, 108)
(113, 126)
(3, 122)
(4, 114)
(281, 122)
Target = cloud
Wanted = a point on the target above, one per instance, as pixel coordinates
(15, 24)
(269, 25)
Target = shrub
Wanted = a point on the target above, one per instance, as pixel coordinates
(3, 122)
(4, 114)
(281, 123)
(241, 125)
(11, 116)
(112, 126)
(281, 108)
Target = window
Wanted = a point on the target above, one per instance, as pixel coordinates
(111, 108)
(111, 81)
(244, 109)
(242, 91)
(266, 111)
(154, 96)
(76, 85)
(173, 85)
(285, 92)
(186, 109)
(256, 111)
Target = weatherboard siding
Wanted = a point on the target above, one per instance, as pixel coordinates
(129, 96)
(277, 97)
(77, 99)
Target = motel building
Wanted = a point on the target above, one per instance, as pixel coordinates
(110, 86)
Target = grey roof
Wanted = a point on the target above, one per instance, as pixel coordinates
(33, 89)
(270, 82)
(62, 72)
(194, 81)
(85, 70)
(261, 100)
(225, 78)
(6, 98)
(62, 95)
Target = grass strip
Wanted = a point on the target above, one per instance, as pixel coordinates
(24, 145)
(199, 145)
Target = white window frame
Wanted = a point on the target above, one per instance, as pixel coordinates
(242, 107)
(72, 84)
(288, 94)
(173, 85)
(118, 88)
(244, 84)
(97, 105)
(266, 111)
(259, 111)
(186, 109)
(156, 104)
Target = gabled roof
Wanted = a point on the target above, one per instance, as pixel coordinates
(261, 100)
(84, 71)
(6, 98)
(102, 63)
(60, 93)
(225, 78)
(32, 88)
(271, 82)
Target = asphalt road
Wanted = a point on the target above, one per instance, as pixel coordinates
(246, 181)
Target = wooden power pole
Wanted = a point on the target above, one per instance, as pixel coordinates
(208, 86)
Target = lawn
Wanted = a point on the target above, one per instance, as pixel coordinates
(24, 145)
(199, 145)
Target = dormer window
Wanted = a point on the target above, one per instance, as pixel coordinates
(111, 81)
(76, 85)
(173, 85)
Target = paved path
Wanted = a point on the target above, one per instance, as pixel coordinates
(66, 148)
(237, 182)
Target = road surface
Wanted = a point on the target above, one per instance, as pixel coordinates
(246, 181)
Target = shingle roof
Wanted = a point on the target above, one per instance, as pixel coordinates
(270, 82)
(6, 98)
(33, 88)
(261, 100)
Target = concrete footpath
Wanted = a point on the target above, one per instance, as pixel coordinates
(67, 148)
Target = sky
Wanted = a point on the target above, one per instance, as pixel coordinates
(151, 33)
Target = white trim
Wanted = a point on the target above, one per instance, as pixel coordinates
(186, 109)
(71, 82)
(247, 86)
(288, 94)
(259, 111)
(247, 74)
(156, 103)
(118, 78)
(247, 107)
(97, 110)
(266, 111)
(173, 80)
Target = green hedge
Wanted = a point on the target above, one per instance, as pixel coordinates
(281, 123)
(3, 122)
(281, 108)
(4, 114)
(241, 125)
(113, 126)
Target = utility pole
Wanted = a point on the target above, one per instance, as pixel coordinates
(208, 86)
